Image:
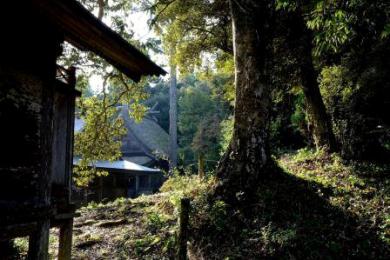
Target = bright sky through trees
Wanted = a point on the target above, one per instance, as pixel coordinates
(138, 23)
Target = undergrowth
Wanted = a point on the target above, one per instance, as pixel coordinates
(316, 207)
(360, 188)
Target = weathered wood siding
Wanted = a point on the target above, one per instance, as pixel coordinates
(59, 138)
(20, 131)
(28, 53)
(62, 156)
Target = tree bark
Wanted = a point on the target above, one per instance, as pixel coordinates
(173, 120)
(320, 125)
(245, 161)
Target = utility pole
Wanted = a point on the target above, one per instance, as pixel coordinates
(172, 120)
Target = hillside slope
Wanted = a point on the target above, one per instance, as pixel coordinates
(316, 207)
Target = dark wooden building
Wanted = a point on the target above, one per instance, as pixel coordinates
(37, 113)
(139, 170)
(125, 180)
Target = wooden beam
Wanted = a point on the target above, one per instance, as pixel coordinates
(65, 240)
(85, 31)
(17, 230)
(38, 246)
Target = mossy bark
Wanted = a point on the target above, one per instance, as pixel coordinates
(244, 161)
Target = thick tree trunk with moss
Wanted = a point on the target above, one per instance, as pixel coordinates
(319, 122)
(245, 161)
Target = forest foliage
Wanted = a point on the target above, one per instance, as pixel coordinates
(197, 37)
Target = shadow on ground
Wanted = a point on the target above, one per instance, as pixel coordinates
(290, 219)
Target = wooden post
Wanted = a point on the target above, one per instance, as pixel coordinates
(65, 242)
(201, 165)
(38, 244)
(183, 228)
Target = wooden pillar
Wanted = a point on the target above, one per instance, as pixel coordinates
(201, 165)
(65, 241)
(183, 228)
(38, 245)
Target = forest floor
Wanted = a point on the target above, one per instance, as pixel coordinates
(123, 229)
(317, 207)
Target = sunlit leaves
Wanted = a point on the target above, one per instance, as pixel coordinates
(334, 86)
(225, 76)
(339, 23)
(226, 133)
(101, 135)
(286, 5)
(191, 28)
(98, 140)
(137, 111)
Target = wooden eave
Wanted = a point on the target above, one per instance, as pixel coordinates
(83, 30)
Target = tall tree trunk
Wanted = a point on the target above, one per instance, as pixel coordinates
(319, 122)
(172, 120)
(245, 161)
